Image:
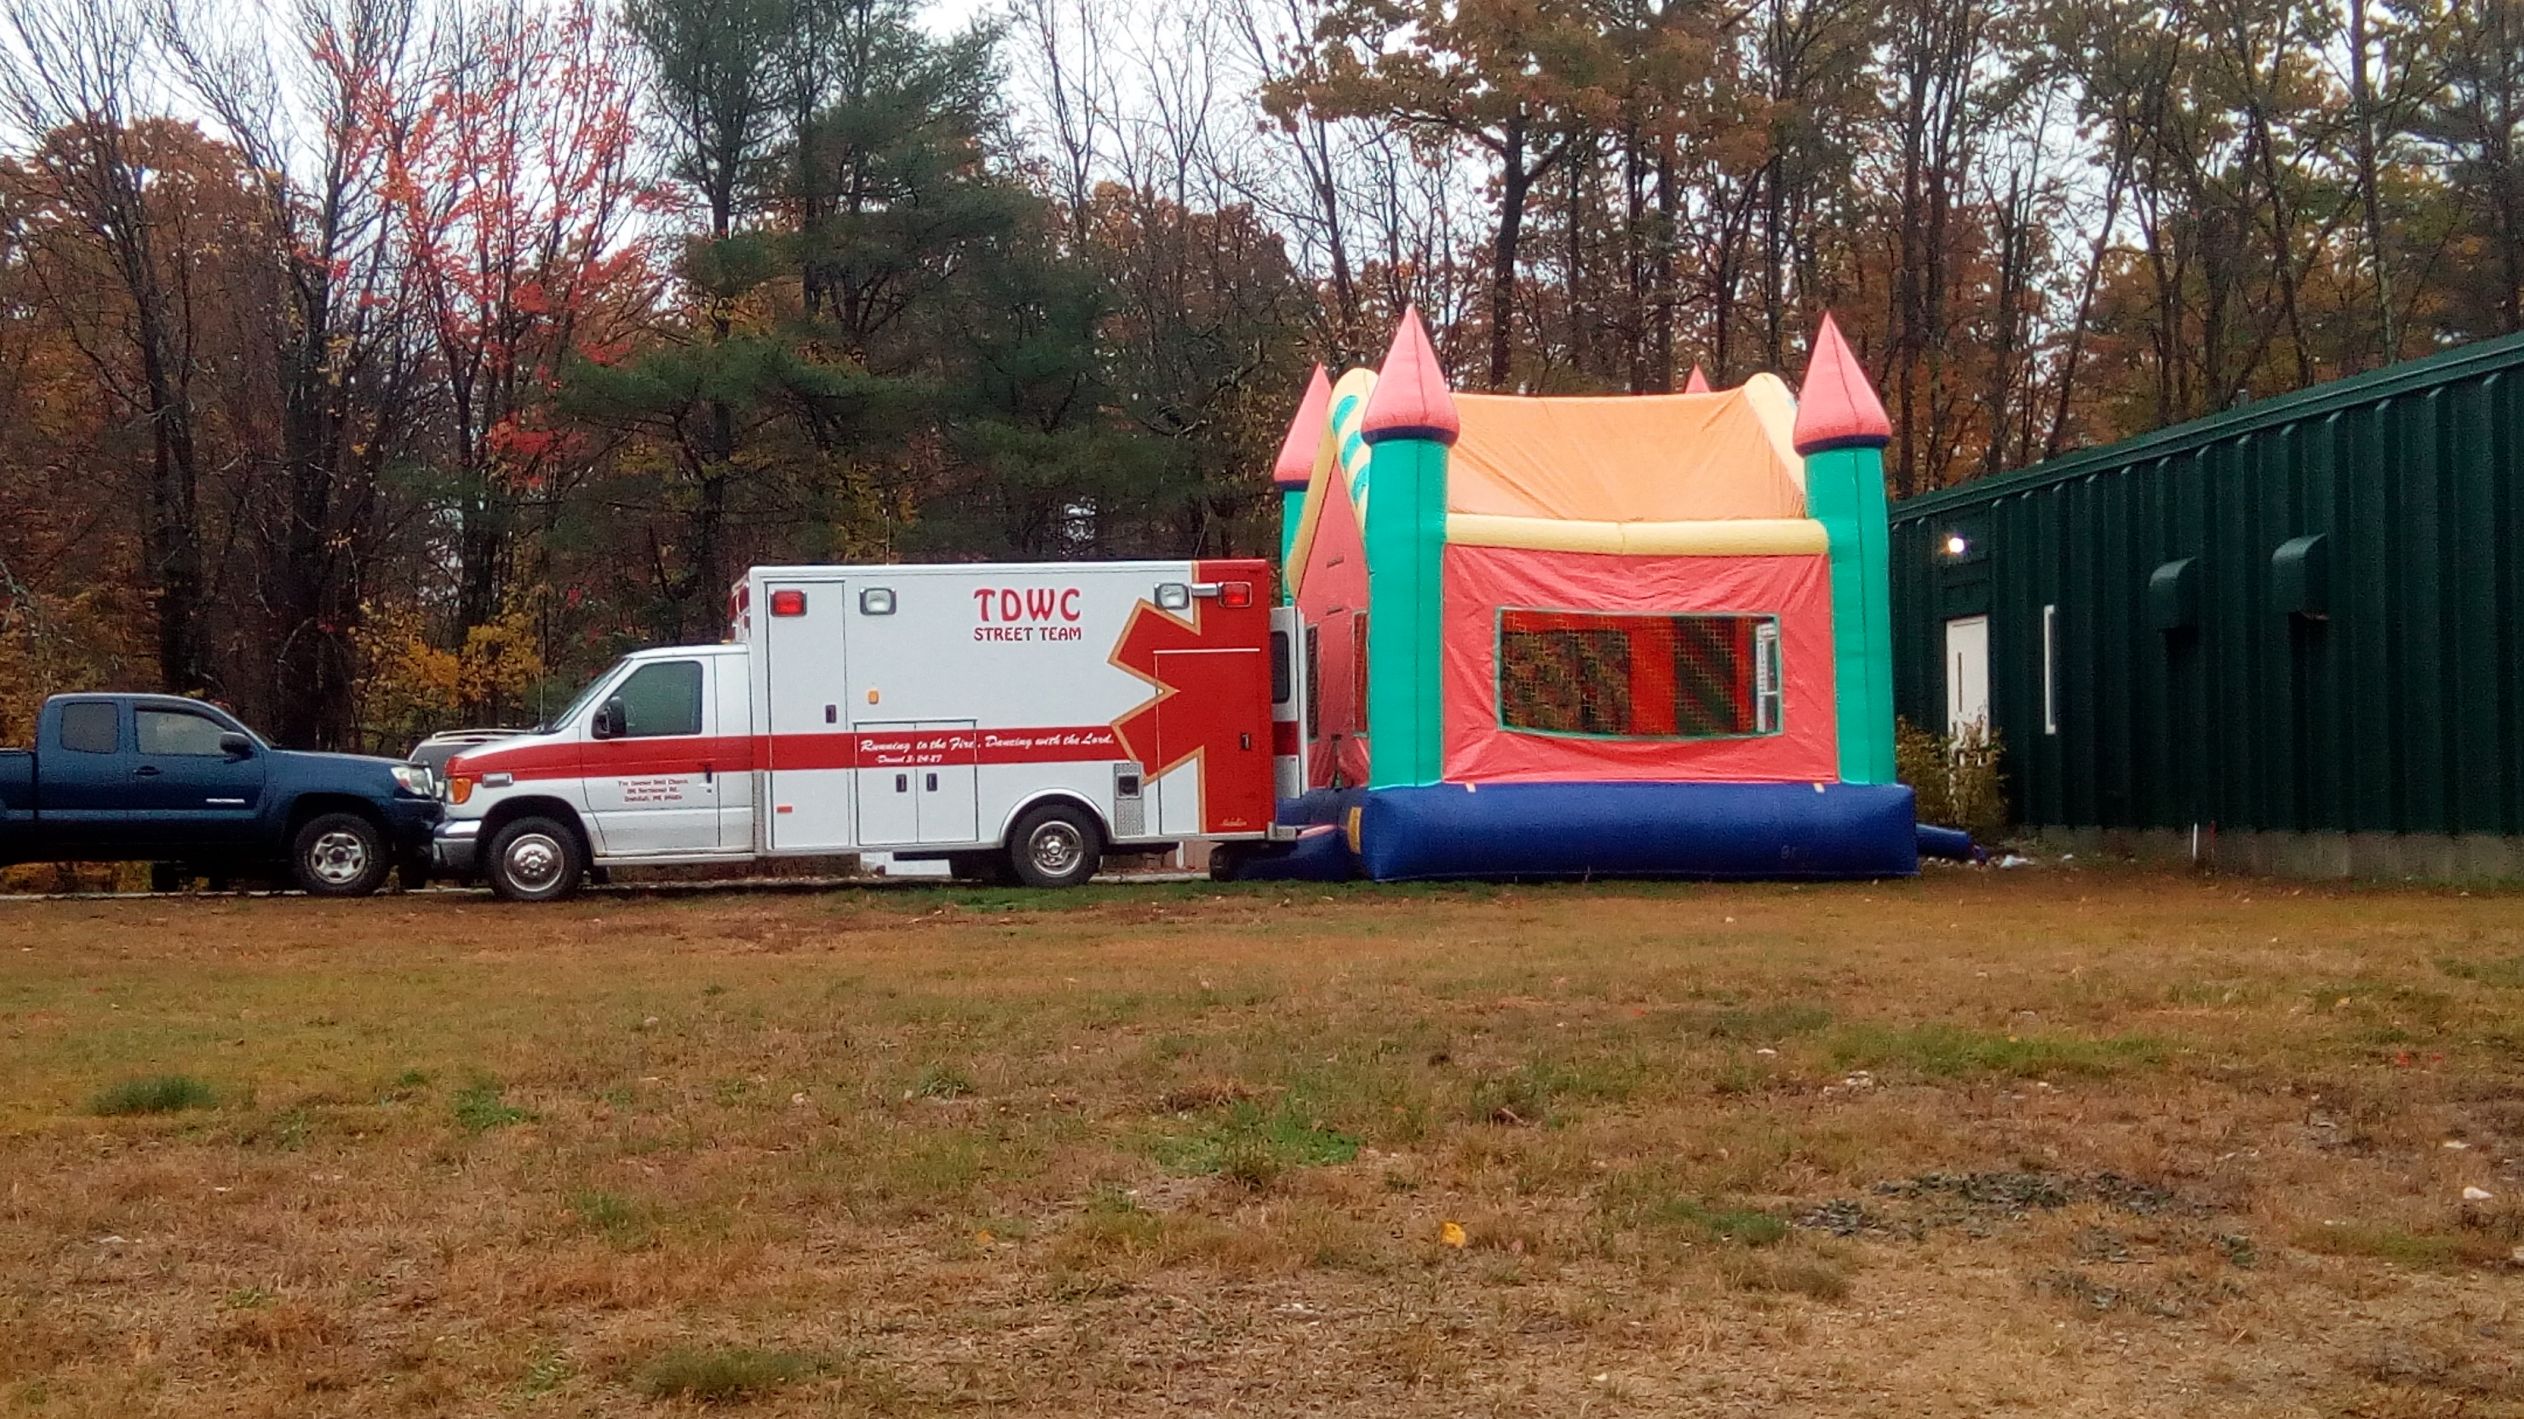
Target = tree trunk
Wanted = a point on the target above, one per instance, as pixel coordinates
(2362, 95)
(1514, 182)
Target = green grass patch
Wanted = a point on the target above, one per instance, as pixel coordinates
(1761, 1024)
(1947, 1051)
(1539, 1091)
(1113, 1224)
(722, 1374)
(479, 1108)
(1652, 1200)
(618, 1219)
(942, 1081)
(2397, 1245)
(1253, 1144)
(153, 1094)
(2506, 972)
(1790, 1274)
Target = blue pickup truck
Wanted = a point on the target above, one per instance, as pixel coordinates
(154, 778)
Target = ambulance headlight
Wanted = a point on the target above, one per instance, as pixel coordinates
(1174, 596)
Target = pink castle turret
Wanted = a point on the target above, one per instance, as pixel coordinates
(1411, 399)
(1838, 407)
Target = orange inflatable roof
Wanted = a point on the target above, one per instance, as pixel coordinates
(1630, 458)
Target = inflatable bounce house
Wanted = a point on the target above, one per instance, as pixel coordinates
(1640, 635)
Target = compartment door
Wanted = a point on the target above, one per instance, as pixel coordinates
(808, 783)
(945, 781)
(888, 782)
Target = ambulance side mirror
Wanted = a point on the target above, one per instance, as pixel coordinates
(608, 721)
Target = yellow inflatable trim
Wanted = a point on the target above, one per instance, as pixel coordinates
(1733, 537)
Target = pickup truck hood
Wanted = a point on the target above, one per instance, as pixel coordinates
(343, 768)
(344, 760)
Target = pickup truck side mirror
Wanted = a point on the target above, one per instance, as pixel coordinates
(608, 721)
(236, 746)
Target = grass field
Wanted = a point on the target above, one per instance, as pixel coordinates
(2043, 1142)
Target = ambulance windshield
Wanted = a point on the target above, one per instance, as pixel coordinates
(579, 704)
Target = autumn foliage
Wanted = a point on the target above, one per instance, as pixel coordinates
(390, 365)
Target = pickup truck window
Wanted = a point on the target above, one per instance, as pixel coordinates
(166, 731)
(91, 728)
(661, 700)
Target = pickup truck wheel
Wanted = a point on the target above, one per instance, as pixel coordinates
(339, 855)
(534, 860)
(1055, 846)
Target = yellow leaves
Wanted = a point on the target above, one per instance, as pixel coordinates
(414, 685)
(1452, 1234)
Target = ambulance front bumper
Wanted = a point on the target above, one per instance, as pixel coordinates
(456, 848)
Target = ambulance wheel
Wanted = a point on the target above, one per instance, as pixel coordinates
(534, 860)
(1055, 846)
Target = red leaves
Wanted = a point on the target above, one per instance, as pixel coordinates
(509, 180)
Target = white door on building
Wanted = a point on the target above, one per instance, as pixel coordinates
(1967, 673)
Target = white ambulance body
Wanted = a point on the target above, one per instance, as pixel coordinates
(1009, 719)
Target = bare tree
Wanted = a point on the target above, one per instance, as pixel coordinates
(78, 90)
(301, 109)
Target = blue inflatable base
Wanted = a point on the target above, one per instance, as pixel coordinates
(1951, 844)
(1320, 855)
(1569, 830)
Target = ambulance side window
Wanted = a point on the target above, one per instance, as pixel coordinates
(1279, 668)
(661, 700)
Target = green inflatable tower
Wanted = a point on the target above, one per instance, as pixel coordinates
(1841, 431)
(1409, 425)
(1295, 468)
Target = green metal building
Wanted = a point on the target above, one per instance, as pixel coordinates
(2289, 637)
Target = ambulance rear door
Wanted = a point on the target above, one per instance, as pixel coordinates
(808, 758)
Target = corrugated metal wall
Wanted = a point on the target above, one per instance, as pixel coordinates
(2371, 684)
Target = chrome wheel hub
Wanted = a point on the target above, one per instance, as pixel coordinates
(1056, 848)
(534, 861)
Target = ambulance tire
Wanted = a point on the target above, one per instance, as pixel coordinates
(1055, 846)
(534, 860)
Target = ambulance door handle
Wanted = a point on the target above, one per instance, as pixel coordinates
(709, 774)
(933, 783)
(902, 783)
(832, 714)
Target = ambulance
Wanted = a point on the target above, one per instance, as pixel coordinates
(1015, 721)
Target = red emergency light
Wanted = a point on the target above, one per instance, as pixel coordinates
(788, 603)
(1236, 595)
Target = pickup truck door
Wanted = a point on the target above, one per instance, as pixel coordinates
(186, 795)
(653, 783)
(83, 782)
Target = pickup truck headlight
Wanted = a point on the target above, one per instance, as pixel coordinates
(415, 779)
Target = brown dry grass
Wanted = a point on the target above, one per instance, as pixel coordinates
(2089, 1143)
